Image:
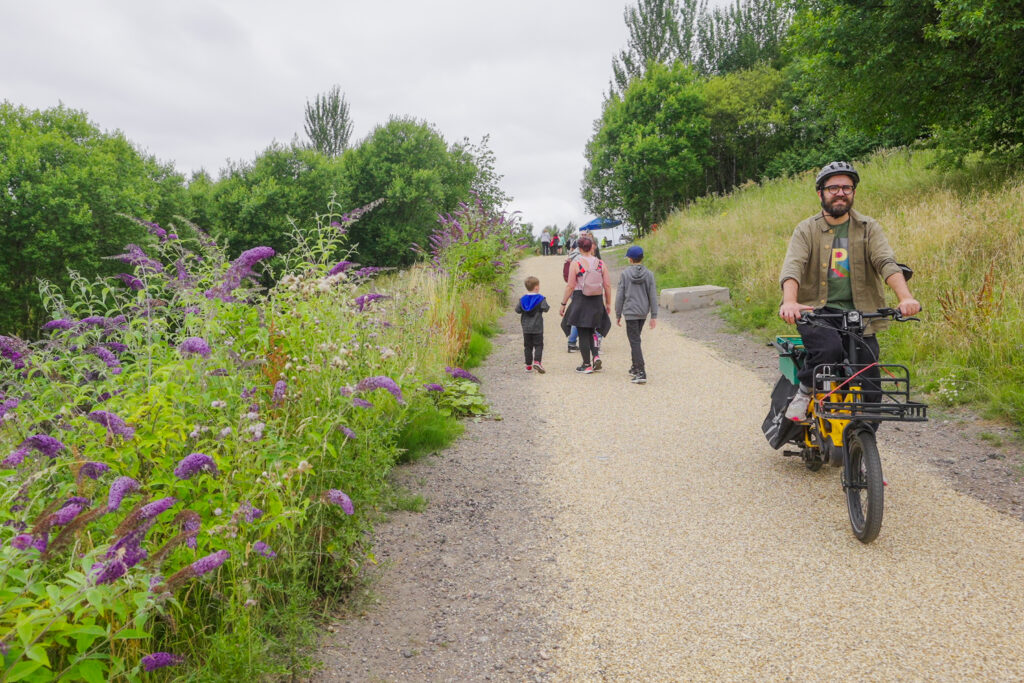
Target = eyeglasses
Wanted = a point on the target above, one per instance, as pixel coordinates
(836, 189)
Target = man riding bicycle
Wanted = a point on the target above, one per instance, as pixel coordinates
(837, 260)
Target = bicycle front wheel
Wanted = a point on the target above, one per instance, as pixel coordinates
(864, 487)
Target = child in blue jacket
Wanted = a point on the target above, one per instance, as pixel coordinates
(531, 307)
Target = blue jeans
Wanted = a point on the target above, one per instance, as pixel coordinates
(574, 335)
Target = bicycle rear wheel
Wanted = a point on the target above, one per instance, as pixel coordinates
(864, 487)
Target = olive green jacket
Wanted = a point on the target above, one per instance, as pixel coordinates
(872, 262)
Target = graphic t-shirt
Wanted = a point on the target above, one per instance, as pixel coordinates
(840, 291)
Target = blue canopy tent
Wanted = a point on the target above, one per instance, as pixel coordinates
(600, 224)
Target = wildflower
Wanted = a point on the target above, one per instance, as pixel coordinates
(207, 564)
(339, 267)
(239, 270)
(339, 498)
(121, 487)
(134, 283)
(346, 431)
(116, 347)
(47, 445)
(194, 346)
(250, 603)
(280, 387)
(224, 433)
(137, 257)
(303, 467)
(60, 324)
(109, 572)
(218, 404)
(67, 513)
(13, 350)
(107, 357)
(194, 463)
(433, 386)
(256, 429)
(248, 393)
(114, 424)
(367, 272)
(92, 470)
(360, 403)
(7, 406)
(460, 373)
(363, 300)
(249, 512)
(261, 548)
(21, 541)
(15, 458)
(159, 660)
(380, 382)
(157, 507)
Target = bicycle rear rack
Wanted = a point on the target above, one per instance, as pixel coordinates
(848, 391)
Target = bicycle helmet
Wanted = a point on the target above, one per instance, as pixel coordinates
(836, 168)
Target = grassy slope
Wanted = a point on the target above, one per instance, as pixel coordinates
(962, 232)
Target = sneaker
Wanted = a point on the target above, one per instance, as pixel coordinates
(585, 369)
(797, 410)
(574, 347)
(597, 363)
(538, 367)
(529, 367)
(640, 377)
(632, 371)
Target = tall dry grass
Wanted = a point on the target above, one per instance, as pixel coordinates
(962, 231)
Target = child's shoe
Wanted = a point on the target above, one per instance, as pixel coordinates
(585, 369)
(538, 367)
(529, 367)
(597, 363)
(574, 347)
(640, 377)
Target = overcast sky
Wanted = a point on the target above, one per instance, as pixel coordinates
(197, 83)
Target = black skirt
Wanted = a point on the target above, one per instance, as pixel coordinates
(586, 311)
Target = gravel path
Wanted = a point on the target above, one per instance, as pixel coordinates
(609, 531)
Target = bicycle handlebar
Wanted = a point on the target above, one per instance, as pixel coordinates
(891, 313)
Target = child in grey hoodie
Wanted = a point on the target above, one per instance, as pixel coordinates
(636, 298)
(532, 307)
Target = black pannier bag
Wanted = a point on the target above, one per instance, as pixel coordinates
(777, 429)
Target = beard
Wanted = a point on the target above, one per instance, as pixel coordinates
(830, 206)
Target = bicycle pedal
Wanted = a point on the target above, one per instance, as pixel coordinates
(791, 454)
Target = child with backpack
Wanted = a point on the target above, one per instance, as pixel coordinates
(635, 298)
(531, 308)
(588, 283)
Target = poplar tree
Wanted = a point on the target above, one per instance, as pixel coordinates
(328, 124)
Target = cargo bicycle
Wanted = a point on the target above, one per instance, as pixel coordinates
(849, 401)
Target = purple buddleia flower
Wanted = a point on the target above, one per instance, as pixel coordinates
(134, 255)
(41, 541)
(7, 407)
(13, 350)
(154, 229)
(66, 513)
(157, 507)
(114, 424)
(194, 463)
(60, 324)
(194, 346)
(240, 269)
(380, 382)
(367, 271)
(339, 267)
(109, 572)
(248, 393)
(15, 458)
(21, 541)
(249, 512)
(207, 564)
(116, 347)
(190, 523)
(261, 548)
(93, 321)
(159, 660)
(121, 487)
(364, 300)
(107, 357)
(340, 499)
(47, 445)
(280, 387)
(346, 431)
(92, 470)
(433, 386)
(134, 283)
(361, 403)
(460, 373)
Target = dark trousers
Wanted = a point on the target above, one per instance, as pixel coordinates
(586, 341)
(633, 330)
(828, 345)
(533, 346)
(545, 248)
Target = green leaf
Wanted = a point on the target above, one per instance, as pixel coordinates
(92, 671)
(95, 598)
(22, 669)
(38, 653)
(130, 633)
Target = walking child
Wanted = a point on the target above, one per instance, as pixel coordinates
(636, 298)
(531, 308)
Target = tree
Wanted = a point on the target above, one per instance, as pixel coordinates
(649, 148)
(660, 31)
(409, 165)
(64, 187)
(254, 204)
(741, 36)
(328, 124)
(487, 183)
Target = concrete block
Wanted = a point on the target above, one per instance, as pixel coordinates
(688, 298)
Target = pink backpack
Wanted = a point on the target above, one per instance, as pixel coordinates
(593, 278)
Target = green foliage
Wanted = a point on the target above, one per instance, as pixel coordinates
(478, 348)
(462, 398)
(65, 183)
(426, 431)
(486, 185)
(328, 123)
(409, 165)
(741, 36)
(660, 32)
(650, 148)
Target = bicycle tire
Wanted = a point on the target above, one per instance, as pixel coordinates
(864, 486)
